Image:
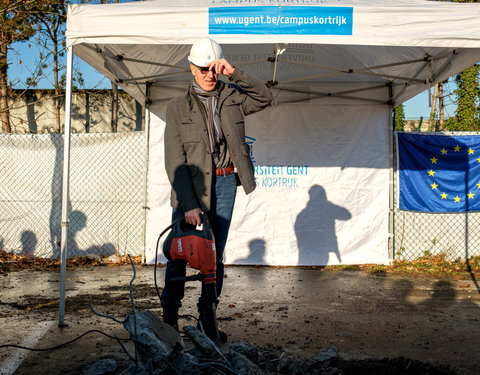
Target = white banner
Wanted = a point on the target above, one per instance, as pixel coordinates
(322, 188)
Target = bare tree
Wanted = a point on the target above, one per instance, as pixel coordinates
(433, 111)
(50, 17)
(441, 106)
(16, 25)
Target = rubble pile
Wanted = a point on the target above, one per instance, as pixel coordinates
(161, 350)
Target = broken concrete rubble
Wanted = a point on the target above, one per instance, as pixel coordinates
(156, 343)
(242, 365)
(326, 354)
(152, 332)
(321, 362)
(161, 350)
(202, 342)
(103, 367)
(249, 351)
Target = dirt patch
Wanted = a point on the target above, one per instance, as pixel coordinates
(395, 366)
(10, 262)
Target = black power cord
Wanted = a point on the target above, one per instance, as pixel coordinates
(156, 255)
(119, 340)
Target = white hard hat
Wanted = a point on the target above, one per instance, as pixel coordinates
(204, 52)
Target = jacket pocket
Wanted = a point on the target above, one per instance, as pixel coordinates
(233, 109)
(189, 132)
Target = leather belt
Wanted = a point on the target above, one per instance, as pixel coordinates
(224, 171)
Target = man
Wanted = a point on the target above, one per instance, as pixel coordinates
(206, 155)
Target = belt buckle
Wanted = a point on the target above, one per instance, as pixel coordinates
(223, 171)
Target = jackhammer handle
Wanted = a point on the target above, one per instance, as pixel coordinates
(197, 277)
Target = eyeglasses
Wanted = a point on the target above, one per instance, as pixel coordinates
(206, 69)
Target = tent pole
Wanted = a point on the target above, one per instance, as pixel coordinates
(145, 173)
(280, 49)
(445, 65)
(416, 75)
(391, 205)
(66, 185)
(125, 58)
(136, 79)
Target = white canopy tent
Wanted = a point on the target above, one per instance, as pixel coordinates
(407, 44)
(322, 152)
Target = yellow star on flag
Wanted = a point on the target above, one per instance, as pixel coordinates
(478, 160)
(431, 173)
(457, 199)
(471, 195)
(434, 160)
(471, 151)
(434, 186)
(444, 152)
(457, 148)
(444, 196)
(478, 185)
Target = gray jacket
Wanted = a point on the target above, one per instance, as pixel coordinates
(188, 161)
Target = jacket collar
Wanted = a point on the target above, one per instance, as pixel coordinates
(223, 93)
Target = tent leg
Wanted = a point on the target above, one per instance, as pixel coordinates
(66, 185)
(145, 179)
(391, 216)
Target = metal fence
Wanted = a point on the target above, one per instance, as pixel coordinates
(107, 198)
(106, 193)
(453, 235)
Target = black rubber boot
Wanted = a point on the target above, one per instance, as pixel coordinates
(170, 314)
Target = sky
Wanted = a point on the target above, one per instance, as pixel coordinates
(25, 55)
(419, 106)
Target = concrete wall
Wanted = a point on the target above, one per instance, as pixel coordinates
(412, 125)
(33, 111)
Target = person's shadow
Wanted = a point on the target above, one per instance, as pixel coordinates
(315, 229)
(257, 253)
(78, 221)
(443, 296)
(29, 243)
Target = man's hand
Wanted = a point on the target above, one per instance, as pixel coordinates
(222, 66)
(192, 217)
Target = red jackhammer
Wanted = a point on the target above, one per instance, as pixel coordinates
(197, 247)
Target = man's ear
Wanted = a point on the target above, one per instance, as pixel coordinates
(192, 69)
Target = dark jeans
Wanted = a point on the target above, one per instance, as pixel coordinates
(220, 216)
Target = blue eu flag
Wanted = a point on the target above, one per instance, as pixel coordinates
(439, 173)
